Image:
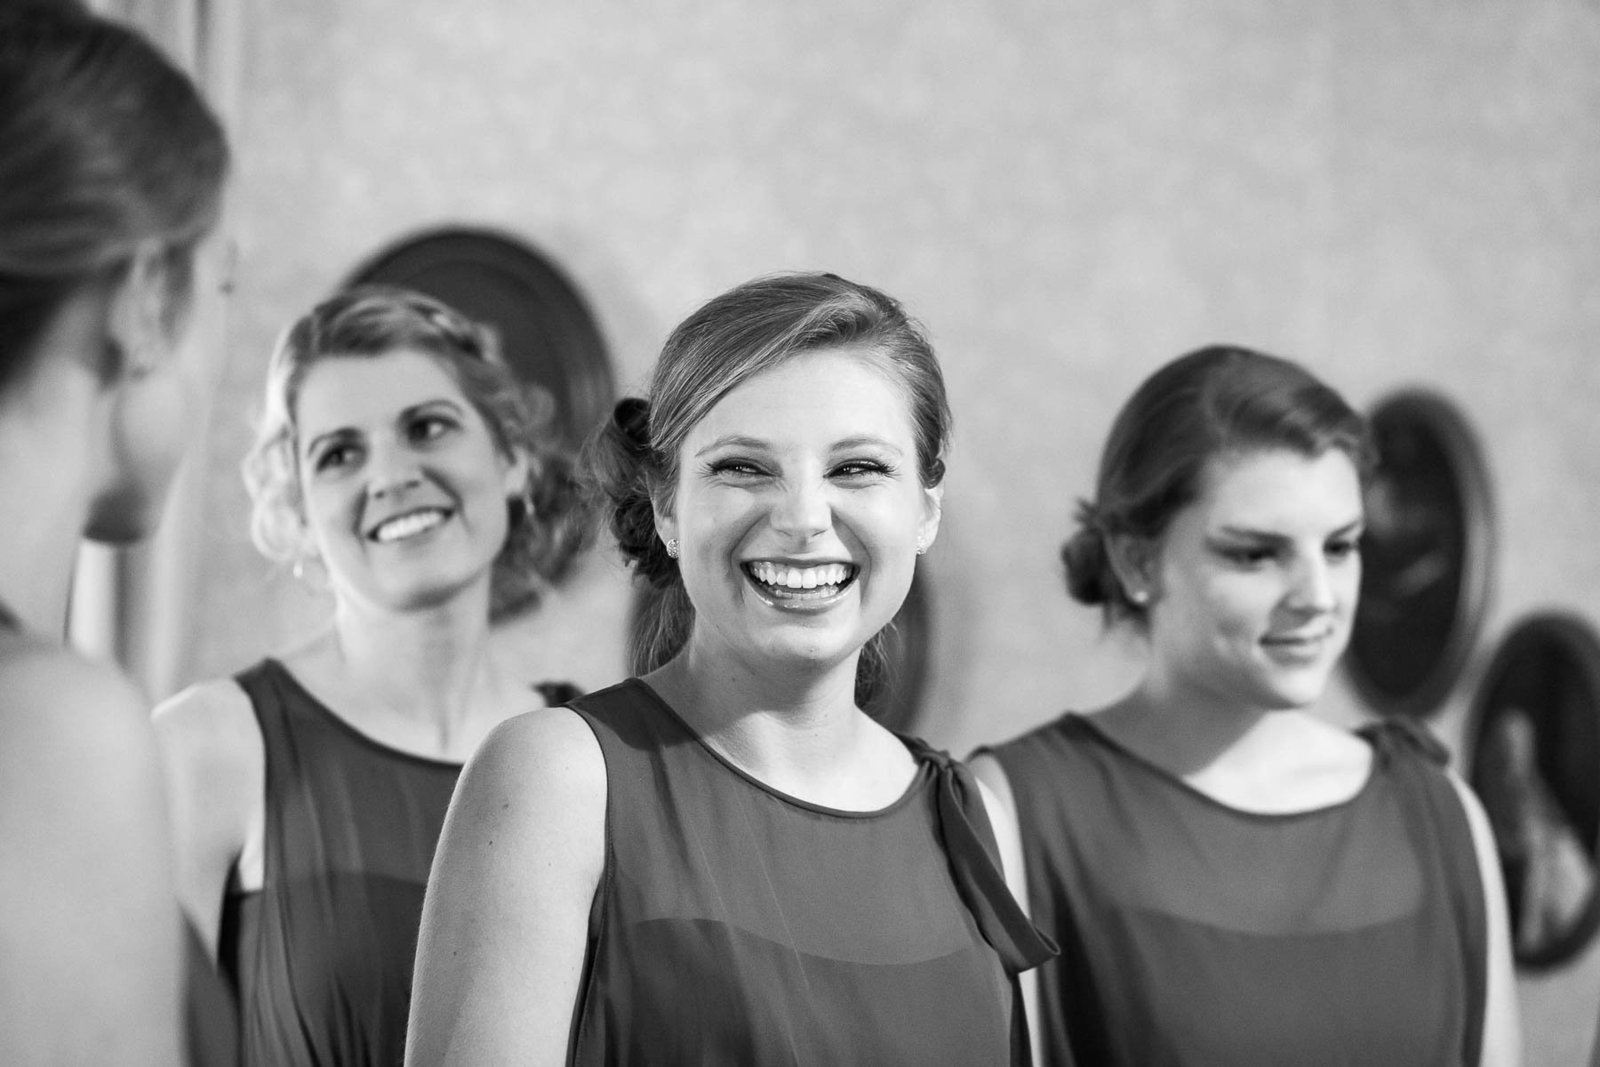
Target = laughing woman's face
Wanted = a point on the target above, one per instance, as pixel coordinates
(799, 509)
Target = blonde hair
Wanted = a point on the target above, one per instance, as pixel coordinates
(549, 524)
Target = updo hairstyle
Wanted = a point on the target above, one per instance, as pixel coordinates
(633, 460)
(548, 520)
(1219, 400)
(107, 147)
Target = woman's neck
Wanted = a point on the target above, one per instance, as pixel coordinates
(426, 665)
(795, 728)
(37, 556)
(1263, 760)
(48, 425)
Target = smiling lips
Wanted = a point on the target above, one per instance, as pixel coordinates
(1300, 647)
(785, 582)
(411, 524)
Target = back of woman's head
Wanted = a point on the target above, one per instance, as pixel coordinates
(549, 523)
(1215, 401)
(108, 147)
(749, 329)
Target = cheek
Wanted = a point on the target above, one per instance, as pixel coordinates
(1229, 608)
(328, 511)
(152, 428)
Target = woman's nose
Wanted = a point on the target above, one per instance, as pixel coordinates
(802, 510)
(1313, 587)
(392, 470)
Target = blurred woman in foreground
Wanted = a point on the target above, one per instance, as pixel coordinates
(111, 177)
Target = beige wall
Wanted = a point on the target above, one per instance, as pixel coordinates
(1068, 193)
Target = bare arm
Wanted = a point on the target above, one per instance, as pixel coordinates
(90, 949)
(215, 770)
(505, 923)
(1003, 818)
(1502, 1032)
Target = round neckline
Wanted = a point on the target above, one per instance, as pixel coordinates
(338, 722)
(918, 781)
(1161, 773)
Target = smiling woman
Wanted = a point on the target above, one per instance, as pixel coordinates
(726, 860)
(398, 457)
(1235, 879)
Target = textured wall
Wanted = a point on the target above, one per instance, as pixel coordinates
(1068, 193)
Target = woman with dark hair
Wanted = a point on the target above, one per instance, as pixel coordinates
(724, 860)
(111, 176)
(400, 458)
(1232, 878)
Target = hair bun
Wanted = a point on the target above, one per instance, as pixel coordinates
(1089, 576)
(631, 416)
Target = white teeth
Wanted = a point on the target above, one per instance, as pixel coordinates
(777, 574)
(408, 525)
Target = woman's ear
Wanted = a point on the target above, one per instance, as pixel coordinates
(933, 511)
(516, 474)
(661, 508)
(138, 316)
(1134, 561)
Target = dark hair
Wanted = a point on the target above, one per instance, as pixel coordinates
(1213, 401)
(549, 522)
(749, 329)
(108, 146)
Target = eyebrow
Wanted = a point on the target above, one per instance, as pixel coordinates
(756, 443)
(1353, 526)
(868, 440)
(733, 441)
(408, 412)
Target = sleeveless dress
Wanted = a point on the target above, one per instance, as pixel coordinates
(737, 925)
(1193, 933)
(210, 1015)
(322, 954)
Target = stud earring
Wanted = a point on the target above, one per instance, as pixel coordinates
(672, 547)
(1140, 597)
(922, 547)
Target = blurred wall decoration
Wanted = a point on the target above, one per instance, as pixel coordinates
(1536, 767)
(1427, 556)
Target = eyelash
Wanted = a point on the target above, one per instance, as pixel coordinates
(1341, 549)
(438, 423)
(330, 457)
(423, 429)
(853, 469)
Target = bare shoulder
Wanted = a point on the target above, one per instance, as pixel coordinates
(88, 921)
(216, 768)
(540, 757)
(211, 723)
(505, 920)
(533, 792)
(80, 780)
(69, 722)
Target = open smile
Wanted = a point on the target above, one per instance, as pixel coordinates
(810, 585)
(408, 525)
